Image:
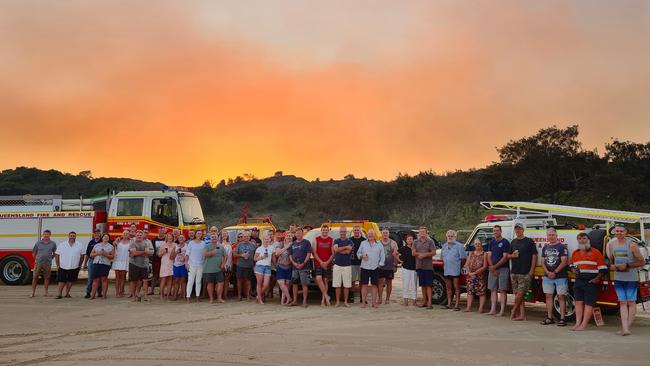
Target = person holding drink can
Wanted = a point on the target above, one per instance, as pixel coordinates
(263, 256)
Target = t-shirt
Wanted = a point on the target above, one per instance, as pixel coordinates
(102, 248)
(588, 263)
(340, 259)
(179, 259)
(407, 258)
(526, 247)
(195, 250)
(498, 248)
(552, 255)
(323, 249)
(246, 247)
(90, 246)
(212, 264)
(452, 256)
(389, 261)
(44, 252)
(299, 250)
(262, 251)
(354, 259)
(283, 259)
(140, 261)
(424, 246)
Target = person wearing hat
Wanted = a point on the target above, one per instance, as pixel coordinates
(255, 236)
(523, 259)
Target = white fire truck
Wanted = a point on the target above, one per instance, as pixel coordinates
(23, 219)
(538, 217)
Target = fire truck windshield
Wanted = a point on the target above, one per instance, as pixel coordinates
(191, 210)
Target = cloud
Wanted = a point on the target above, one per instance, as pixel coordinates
(202, 90)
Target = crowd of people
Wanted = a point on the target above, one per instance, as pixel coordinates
(203, 264)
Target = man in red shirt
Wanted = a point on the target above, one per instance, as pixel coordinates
(322, 253)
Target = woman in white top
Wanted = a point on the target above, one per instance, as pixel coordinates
(263, 256)
(102, 255)
(121, 261)
(227, 270)
(195, 259)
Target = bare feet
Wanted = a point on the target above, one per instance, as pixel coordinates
(491, 313)
(30, 296)
(337, 305)
(346, 304)
(467, 311)
(519, 318)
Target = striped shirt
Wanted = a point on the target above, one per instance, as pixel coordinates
(588, 263)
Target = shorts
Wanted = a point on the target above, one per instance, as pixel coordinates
(45, 268)
(500, 281)
(425, 277)
(67, 275)
(626, 290)
(386, 273)
(283, 274)
(342, 275)
(262, 270)
(244, 273)
(585, 291)
(561, 285)
(300, 276)
(520, 282)
(216, 277)
(356, 272)
(449, 277)
(323, 272)
(100, 270)
(179, 272)
(137, 273)
(371, 275)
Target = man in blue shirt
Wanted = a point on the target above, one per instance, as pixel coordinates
(499, 273)
(299, 256)
(342, 272)
(453, 257)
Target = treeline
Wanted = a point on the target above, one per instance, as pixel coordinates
(551, 166)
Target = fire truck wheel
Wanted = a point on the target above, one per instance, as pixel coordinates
(438, 290)
(570, 306)
(14, 270)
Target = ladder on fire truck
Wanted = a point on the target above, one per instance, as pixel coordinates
(609, 216)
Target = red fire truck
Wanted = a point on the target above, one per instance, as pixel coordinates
(538, 217)
(23, 219)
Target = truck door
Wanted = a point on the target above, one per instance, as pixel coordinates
(164, 210)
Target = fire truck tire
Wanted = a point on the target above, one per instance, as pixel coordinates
(570, 306)
(15, 271)
(438, 290)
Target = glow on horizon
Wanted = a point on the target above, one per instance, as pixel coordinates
(181, 93)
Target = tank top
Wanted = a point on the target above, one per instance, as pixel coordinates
(623, 254)
(323, 248)
(389, 261)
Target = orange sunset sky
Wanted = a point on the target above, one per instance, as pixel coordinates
(183, 91)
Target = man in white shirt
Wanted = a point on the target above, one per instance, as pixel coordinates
(69, 255)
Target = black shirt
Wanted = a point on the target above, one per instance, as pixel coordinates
(406, 255)
(527, 249)
(91, 245)
(357, 243)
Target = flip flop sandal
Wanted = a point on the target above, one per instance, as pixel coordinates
(548, 321)
(456, 309)
(445, 307)
(59, 297)
(561, 323)
(68, 296)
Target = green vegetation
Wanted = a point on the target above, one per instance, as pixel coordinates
(550, 166)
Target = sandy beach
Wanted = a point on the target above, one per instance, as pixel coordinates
(77, 331)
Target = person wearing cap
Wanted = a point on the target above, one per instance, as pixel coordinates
(255, 236)
(625, 260)
(523, 259)
(589, 267)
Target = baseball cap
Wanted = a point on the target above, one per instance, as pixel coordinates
(520, 224)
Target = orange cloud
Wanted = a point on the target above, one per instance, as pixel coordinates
(170, 94)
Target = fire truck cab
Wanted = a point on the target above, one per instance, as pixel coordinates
(151, 210)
